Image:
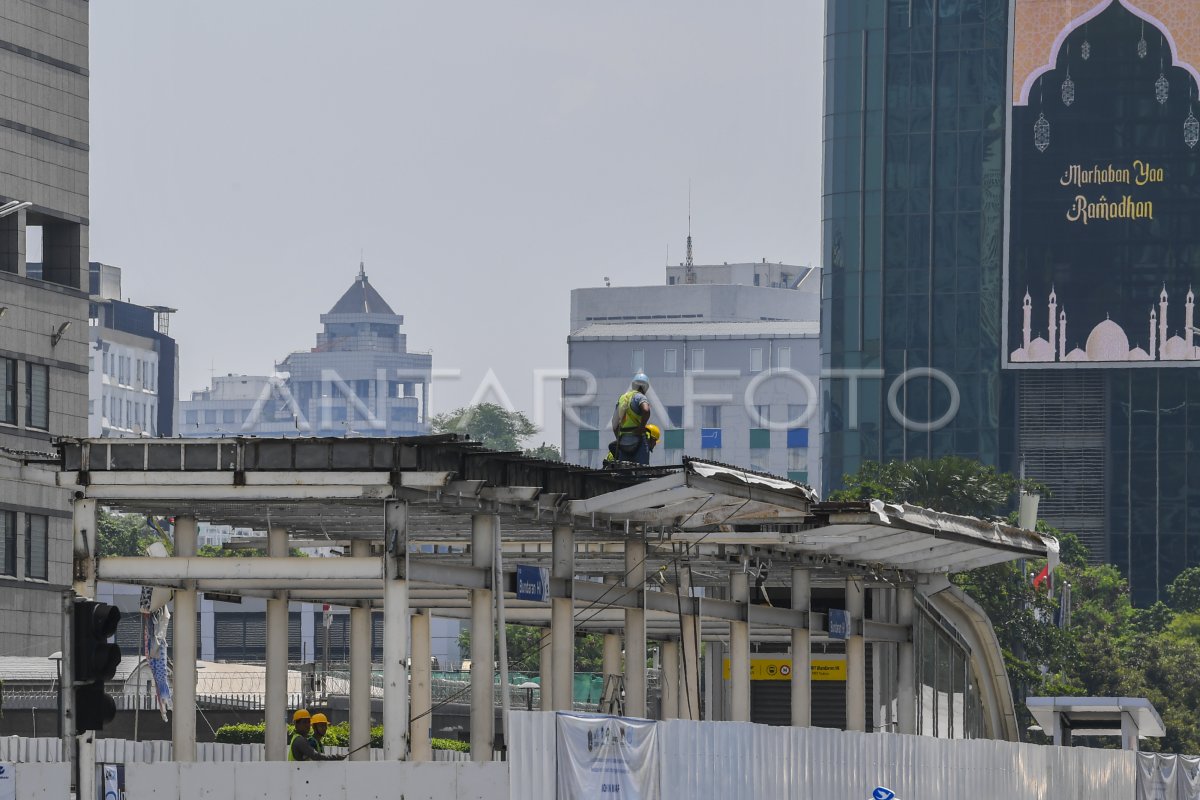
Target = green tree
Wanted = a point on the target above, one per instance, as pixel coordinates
(492, 425)
(546, 452)
(951, 484)
(525, 642)
(1184, 591)
(124, 535)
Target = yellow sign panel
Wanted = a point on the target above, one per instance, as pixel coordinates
(780, 669)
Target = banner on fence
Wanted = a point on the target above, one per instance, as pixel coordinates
(606, 757)
(8, 782)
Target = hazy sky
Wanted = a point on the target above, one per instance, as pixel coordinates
(487, 157)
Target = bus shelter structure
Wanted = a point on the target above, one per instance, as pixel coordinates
(438, 525)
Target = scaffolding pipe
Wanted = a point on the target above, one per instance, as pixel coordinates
(178, 568)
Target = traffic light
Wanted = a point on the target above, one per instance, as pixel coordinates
(94, 660)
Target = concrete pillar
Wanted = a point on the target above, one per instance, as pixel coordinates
(635, 628)
(562, 623)
(714, 683)
(856, 667)
(395, 623)
(421, 747)
(208, 632)
(801, 651)
(1129, 732)
(546, 671)
(906, 674)
(183, 720)
(483, 721)
(739, 651)
(610, 660)
(669, 680)
(275, 701)
(689, 649)
(360, 667)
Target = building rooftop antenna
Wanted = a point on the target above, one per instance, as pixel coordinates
(689, 271)
(362, 267)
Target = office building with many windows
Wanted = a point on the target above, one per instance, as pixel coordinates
(43, 316)
(731, 351)
(968, 145)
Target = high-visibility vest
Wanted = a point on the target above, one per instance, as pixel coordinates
(291, 756)
(629, 419)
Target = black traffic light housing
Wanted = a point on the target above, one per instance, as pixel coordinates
(94, 661)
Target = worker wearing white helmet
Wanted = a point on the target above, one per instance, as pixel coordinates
(629, 421)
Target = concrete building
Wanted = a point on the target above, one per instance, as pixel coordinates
(732, 352)
(133, 365)
(360, 379)
(43, 320)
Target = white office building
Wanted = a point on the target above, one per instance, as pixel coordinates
(733, 356)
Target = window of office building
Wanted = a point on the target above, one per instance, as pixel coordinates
(210, 416)
(37, 546)
(8, 403)
(639, 360)
(37, 396)
(783, 358)
(710, 416)
(674, 416)
(670, 359)
(698, 360)
(756, 359)
(8, 543)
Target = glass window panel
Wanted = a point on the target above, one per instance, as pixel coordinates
(37, 546)
(670, 359)
(710, 416)
(783, 358)
(37, 396)
(756, 359)
(639, 360)
(698, 360)
(8, 543)
(8, 411)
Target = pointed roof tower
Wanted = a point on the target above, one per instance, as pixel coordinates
(361, 298)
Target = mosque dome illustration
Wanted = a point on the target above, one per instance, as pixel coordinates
(1107, 342)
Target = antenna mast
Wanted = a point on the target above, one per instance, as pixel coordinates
(689, 271)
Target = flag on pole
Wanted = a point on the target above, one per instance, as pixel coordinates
(1041, 577)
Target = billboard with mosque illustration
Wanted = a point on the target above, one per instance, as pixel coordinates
(1103, 259)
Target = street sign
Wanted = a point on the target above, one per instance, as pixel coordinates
(533, 583)
(839, 623)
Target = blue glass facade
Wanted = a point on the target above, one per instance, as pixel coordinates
(913, 239)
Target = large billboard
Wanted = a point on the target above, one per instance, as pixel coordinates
(1103, 256)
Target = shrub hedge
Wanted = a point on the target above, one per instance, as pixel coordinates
(335, 736)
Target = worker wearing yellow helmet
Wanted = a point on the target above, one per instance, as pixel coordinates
(320, 724)
(301, 748)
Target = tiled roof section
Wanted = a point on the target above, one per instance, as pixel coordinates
(361, 298)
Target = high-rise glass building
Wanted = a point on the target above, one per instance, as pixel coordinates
(936, 226)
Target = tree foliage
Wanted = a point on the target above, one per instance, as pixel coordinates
(124, 535)
(1108, 647)
(492, 425)
(524, 645)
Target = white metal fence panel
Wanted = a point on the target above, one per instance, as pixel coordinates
(720, 760)
(25, 750)
(531, 755)
(42, 781)
(328, 781)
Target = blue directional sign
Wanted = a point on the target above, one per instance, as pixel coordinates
(533, 583)
(881, 793)
(839, 623)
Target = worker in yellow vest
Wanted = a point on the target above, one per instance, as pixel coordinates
(300, 748)
(629, 421)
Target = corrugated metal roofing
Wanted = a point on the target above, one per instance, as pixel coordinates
(37, 669)
(696, 330)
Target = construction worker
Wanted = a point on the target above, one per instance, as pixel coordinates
(300, 748)
(653, 434)
(630, 417)
(320, 724)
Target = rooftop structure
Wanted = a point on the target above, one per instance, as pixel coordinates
(359, 380)
(677, 555)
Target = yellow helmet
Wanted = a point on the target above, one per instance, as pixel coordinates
(317, 719)
(300, 714)
(654, 432)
